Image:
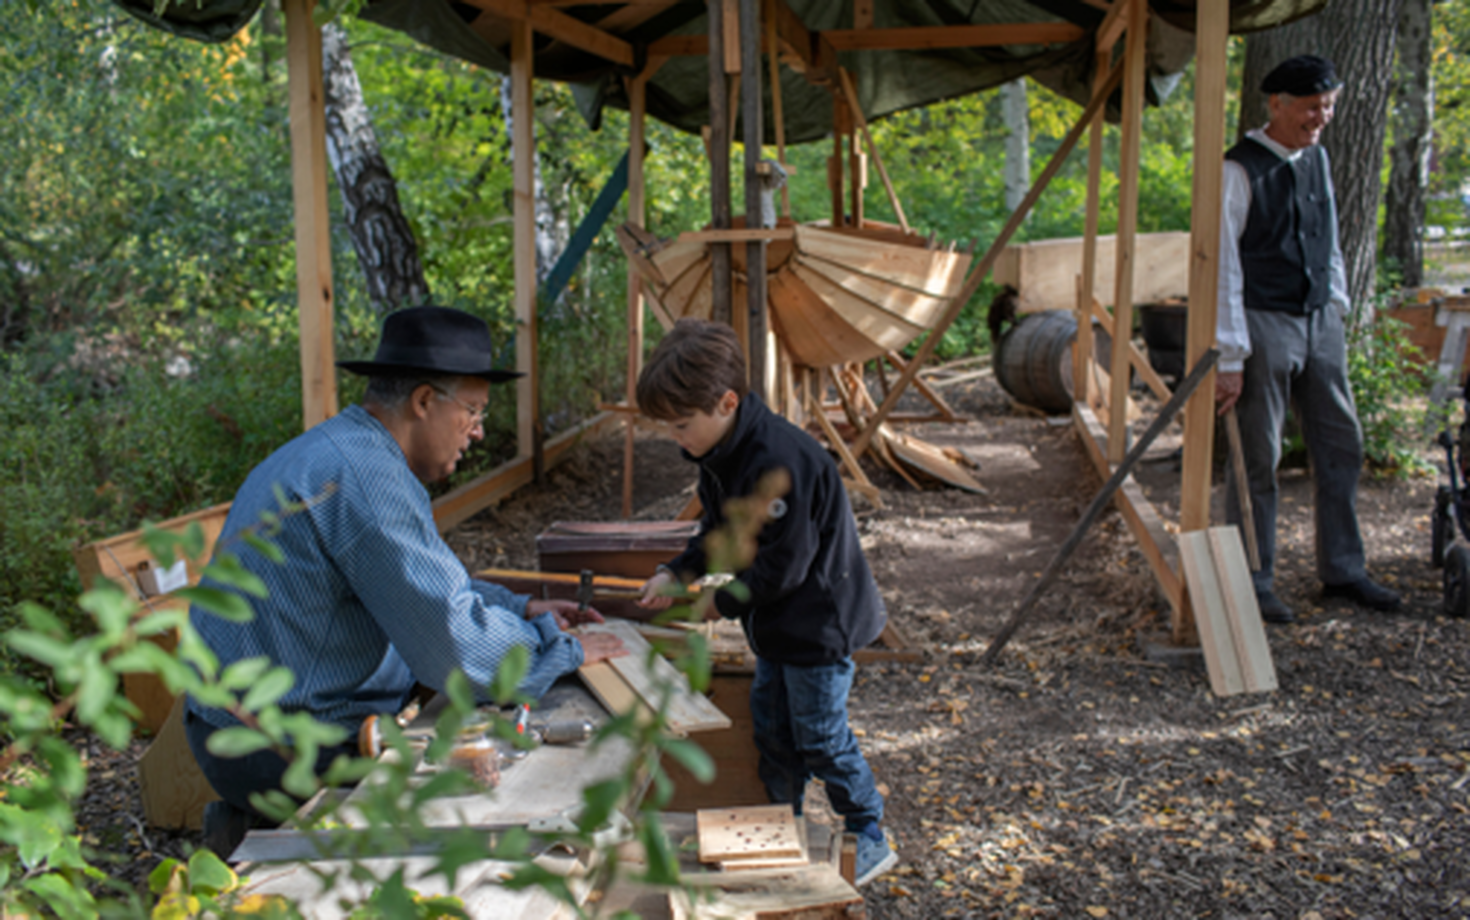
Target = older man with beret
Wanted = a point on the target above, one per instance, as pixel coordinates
(369, 600)
(1283, 305)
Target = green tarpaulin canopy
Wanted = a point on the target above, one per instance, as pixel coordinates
(887, 81)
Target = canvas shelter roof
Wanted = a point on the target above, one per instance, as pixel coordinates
(887, 80)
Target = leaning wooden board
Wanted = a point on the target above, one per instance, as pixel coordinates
(648, 675)
(1237, 653)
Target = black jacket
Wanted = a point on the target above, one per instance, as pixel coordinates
(812, 598)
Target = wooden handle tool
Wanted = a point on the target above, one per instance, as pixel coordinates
(1242, 489)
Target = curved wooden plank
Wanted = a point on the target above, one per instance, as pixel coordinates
(676, 259)
(816, 336)
(881, 330)
(906, 305)
(929, 271)
(682, 297)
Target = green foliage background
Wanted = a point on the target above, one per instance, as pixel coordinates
(147, 276)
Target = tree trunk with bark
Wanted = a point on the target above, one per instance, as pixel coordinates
(1412, 119)
(552, 230)
(1017, 113)
(1358, 37)
(386, 249)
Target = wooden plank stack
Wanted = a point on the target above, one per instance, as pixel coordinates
(1237, 655)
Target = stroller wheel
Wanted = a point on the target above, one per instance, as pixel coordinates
(1441, 526)
(1457, 581)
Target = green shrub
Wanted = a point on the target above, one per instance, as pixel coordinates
(1388, 382)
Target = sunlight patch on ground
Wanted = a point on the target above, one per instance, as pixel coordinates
(995, 459)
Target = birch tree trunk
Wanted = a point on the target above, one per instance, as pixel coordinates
(1358, 37)
(1412, 119)
(1018, 141)
(551, 229)
(386, 249)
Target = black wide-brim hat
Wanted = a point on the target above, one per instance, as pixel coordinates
(433, 340)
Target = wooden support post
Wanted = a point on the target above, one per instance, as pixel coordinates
(778, 117)
(637, 96)
(309, 181)
(719, 163)
(523, 167)
(1210, 90)
(753, 117)
(1082, 356)
(1132, 135)
(834, 165)
(860, 123)
(857, 173)
(982, 268)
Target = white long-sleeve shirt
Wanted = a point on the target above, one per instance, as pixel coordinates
(1231, 332)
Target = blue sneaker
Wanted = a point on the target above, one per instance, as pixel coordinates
(874, 855)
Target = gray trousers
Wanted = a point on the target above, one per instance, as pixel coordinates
(1301, 362)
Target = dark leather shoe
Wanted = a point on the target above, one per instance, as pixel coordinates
(1273, 608)
(1365, 592)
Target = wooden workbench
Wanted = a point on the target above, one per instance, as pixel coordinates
(546, 783)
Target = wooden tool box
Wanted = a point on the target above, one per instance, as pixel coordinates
(630, 548)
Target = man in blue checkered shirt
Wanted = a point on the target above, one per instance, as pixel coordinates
(370, 600)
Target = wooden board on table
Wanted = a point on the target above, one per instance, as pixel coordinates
(757, 831)
(478, 885)
(648, 676)
(812, 892)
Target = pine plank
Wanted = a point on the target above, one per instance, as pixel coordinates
(1210, 617)
(764, 831)
(687, 711)
(905, 306)
(814, 892)
(931, 460)
(815, 336)
(881, 331)
(928, 271)
(1246, 629)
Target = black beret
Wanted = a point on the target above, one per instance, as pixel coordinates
(1303, 75)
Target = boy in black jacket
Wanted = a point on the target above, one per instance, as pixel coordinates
(810, 600)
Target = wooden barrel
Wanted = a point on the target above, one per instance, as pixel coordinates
(1033, 360)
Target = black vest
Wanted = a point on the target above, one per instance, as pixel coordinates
(1286, 248)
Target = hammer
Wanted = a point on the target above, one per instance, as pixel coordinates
(584, 594)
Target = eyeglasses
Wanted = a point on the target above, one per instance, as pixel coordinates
(477, 416)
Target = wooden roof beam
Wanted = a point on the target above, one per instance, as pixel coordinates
(925, 37)
(557, 25)
(1112, 26)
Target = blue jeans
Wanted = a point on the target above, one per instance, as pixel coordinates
(235, 778)
(801, 731)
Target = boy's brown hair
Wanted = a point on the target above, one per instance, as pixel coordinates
(691, 369)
